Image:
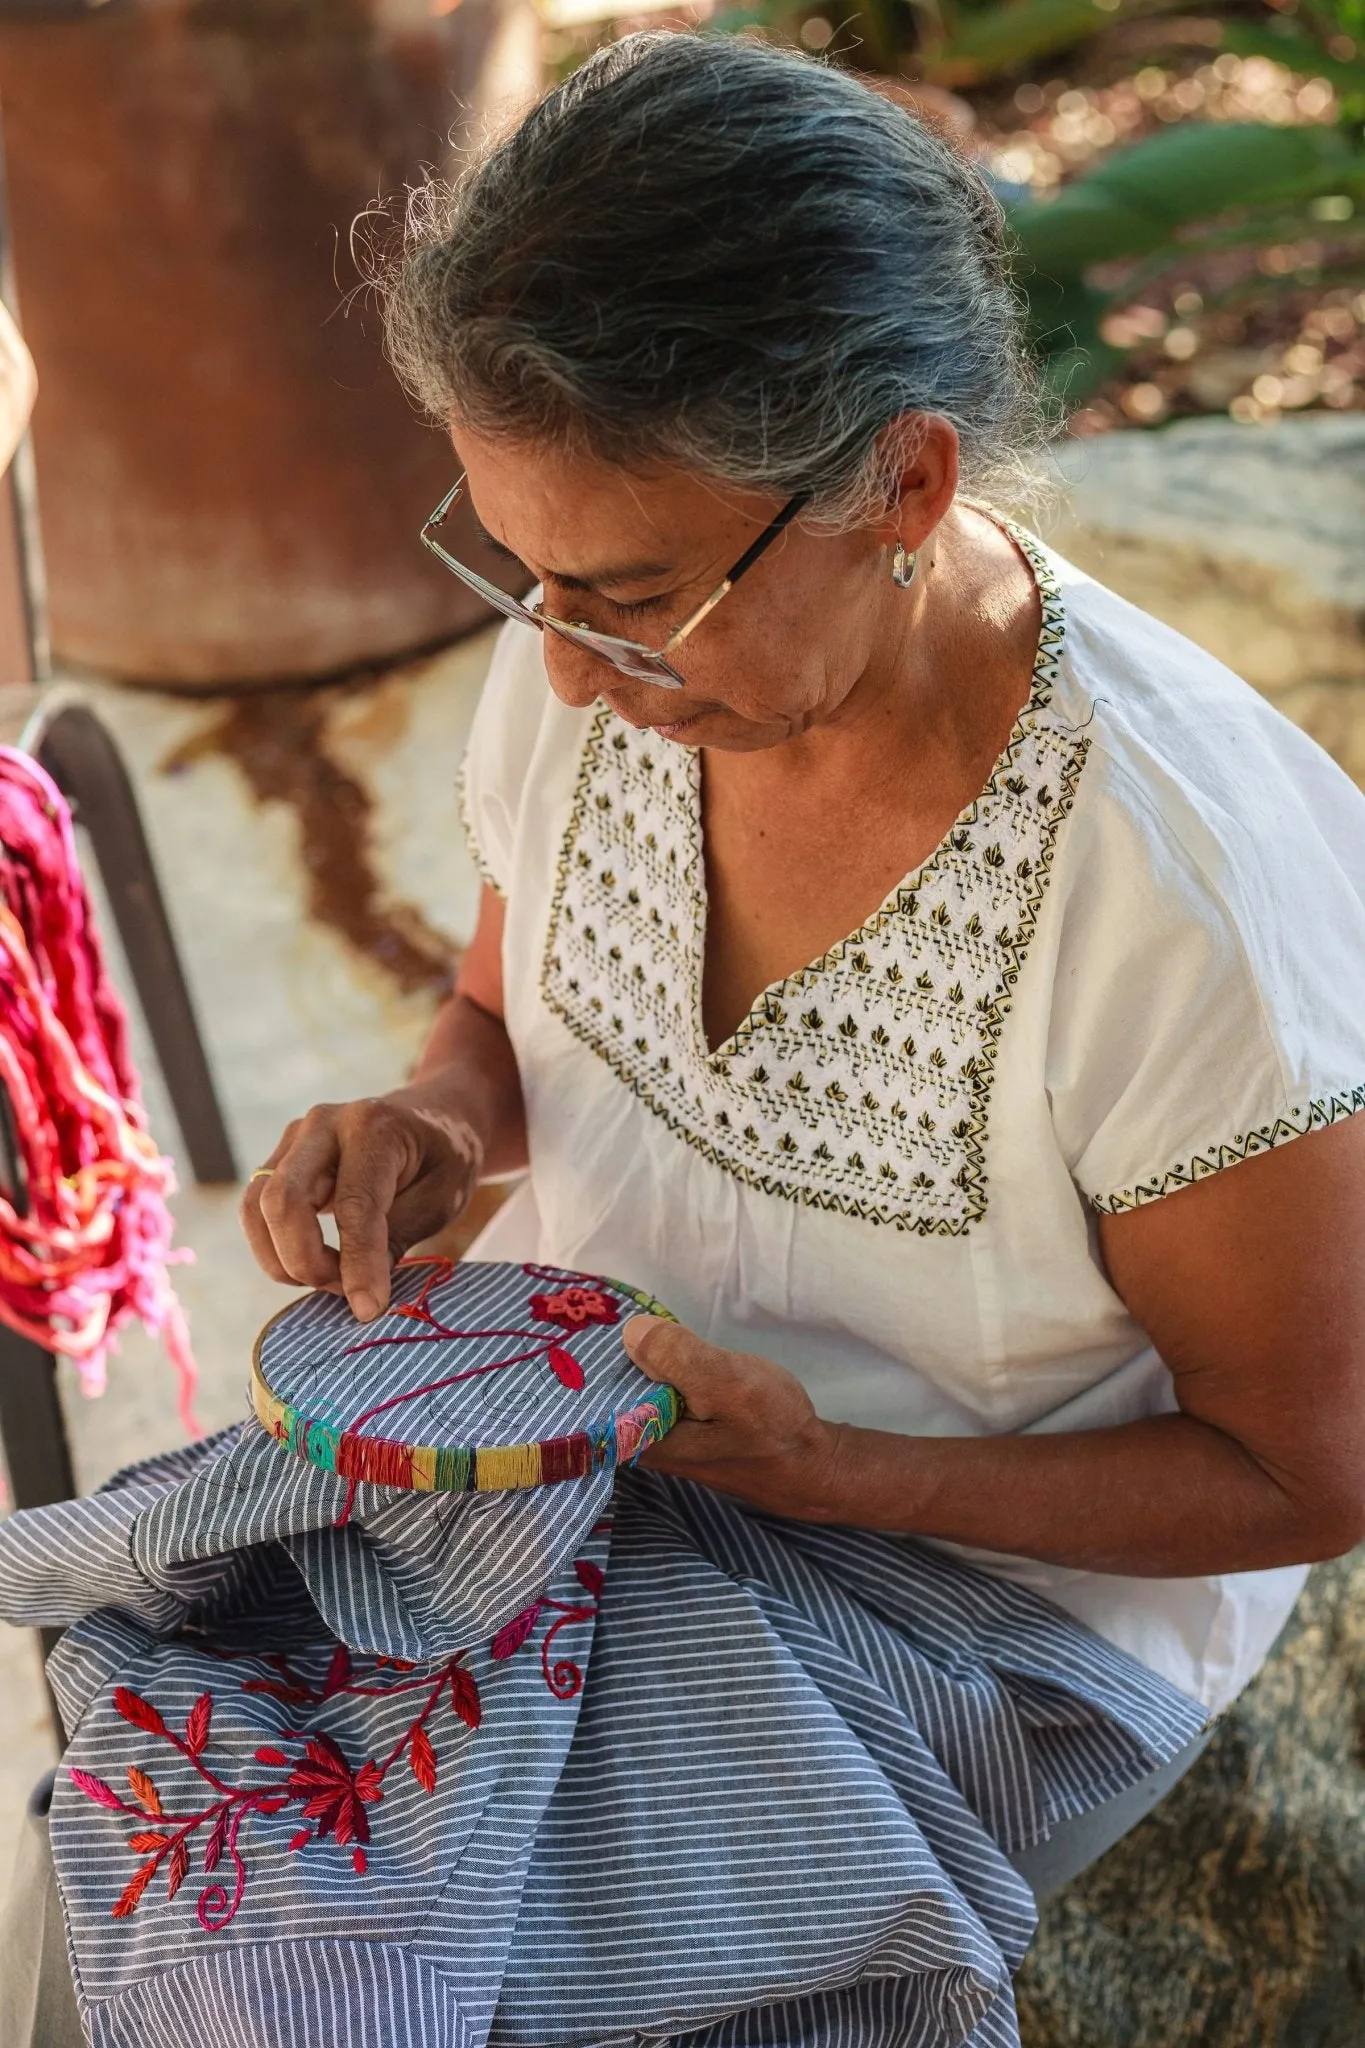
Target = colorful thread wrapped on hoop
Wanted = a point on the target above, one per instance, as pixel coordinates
(92, 1250)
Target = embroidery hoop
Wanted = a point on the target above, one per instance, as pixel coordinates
(373, 1459)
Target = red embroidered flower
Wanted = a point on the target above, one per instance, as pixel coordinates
(335, 1795)
(573, 1308)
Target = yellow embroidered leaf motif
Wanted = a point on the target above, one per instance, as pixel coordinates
(786, 1143)
(939, 916)
(937, 1059)
(798, 1084)
(603, 801)
(921, 1180)
(848, 1029)
(894, 975)
(759, 1076)
(993, 857)
(925, 982)
(973, 926)
(834, 1093)
(855, 1160)
(822, 1151)
(909, 1048)
(751, 1134)
(860, 964)
(955, 994)
(870, 1102)
(812, 1020)
(886, 1171)
(926, 1122)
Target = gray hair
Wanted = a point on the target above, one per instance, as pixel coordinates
(712, 254)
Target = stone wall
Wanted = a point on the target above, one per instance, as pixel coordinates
(1250, 539)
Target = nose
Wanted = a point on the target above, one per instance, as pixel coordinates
(576, 677)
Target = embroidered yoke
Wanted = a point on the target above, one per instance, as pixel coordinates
(578, 1766)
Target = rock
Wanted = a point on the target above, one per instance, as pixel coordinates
(1248, 539)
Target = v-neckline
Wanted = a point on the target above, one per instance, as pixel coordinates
(1051, 633)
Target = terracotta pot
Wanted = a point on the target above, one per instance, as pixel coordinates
(231, 483)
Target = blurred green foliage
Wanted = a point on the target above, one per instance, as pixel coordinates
(1197, 187)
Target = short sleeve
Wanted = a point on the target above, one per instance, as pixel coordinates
(502, 739)
(1209, 1001)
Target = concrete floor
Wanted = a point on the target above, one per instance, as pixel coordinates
(292, 1011)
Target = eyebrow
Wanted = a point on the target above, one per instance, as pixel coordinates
(618, 572)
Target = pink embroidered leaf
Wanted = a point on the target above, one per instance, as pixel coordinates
(509, 1640)
(301, 1839)
(133, 1890)
(589, 1576)
(274, 1757)
(145, 1792)
(197, 1726)
(338, 1671)
(213, 1848)
(140, 1712)
(96, 1789)
(464, 1696)
(177, 1868)
(422, 1757)
(565, 1368)
(147, 1845)
(360, 1862)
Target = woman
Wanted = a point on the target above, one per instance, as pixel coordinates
(947, 1204)
(912, 964)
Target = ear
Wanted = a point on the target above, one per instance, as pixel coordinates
(924, 446)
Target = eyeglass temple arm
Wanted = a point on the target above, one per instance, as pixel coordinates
(740, 568)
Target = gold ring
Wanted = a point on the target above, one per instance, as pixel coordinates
(263, 1173)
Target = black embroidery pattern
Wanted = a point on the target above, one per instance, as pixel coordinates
(861, 1084)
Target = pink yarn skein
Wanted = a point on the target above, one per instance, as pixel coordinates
(93, 1248)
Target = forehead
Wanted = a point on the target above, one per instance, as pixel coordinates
(566, 509)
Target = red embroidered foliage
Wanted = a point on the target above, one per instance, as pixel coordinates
(509, 1640)
(197, 1726)
(464, 1696)
(334, 1795)
(133, 1890)
(565, 1368)
(138, 1711)
(178, 1867)
(422, 1758)
(96, 1789)
(590, 1576)
(573, 1308)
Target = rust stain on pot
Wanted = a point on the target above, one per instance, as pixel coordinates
(278, 741)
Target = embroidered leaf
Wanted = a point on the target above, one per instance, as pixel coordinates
(303, 1836)
(509, 1640)
(133, 1890)
(197, 1726)
(140, 1712)
(369, 1783)
(275, 1804)
(422, 1757)
(177, 1867)
(144, 1791)
(338, 1671)
(589, 1576)
(464, 1696)
(276, 1757)
(277, 1690)
(96, 1789)
(565, 1368)
(213, 1848)
(360, 1862)
(147, 1845)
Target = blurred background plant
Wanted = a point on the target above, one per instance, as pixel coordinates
(1186, 183)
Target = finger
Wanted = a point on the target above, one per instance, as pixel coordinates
(254, 1226)
(368, 1177)
(667, 1351)
(298, 1189)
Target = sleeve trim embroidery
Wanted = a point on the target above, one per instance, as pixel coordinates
(476, 852)
(1297, 1123)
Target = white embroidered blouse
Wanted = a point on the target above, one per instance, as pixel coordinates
(1137, 958)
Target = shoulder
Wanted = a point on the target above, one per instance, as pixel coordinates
(523, 753)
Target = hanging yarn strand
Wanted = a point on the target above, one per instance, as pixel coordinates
(85, 1238)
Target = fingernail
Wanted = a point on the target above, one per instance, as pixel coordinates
(364, 1306)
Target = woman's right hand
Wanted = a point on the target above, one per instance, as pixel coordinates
(390, 1172)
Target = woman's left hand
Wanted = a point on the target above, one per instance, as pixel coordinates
(748, 1428)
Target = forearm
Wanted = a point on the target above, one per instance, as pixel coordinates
(1166, 1497)
(468, 1074)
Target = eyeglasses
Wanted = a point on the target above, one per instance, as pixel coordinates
(643, 664)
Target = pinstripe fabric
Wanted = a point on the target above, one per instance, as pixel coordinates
(773, 1814)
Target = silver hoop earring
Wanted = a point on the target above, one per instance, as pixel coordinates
(903, 566)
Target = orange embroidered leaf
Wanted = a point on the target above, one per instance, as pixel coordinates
(145, 1792)
(140, 1712)
(464, 1696)
(132, 1891)
(147, 1845)
(197, 1726)
(179, 1865)
(422, 1757)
